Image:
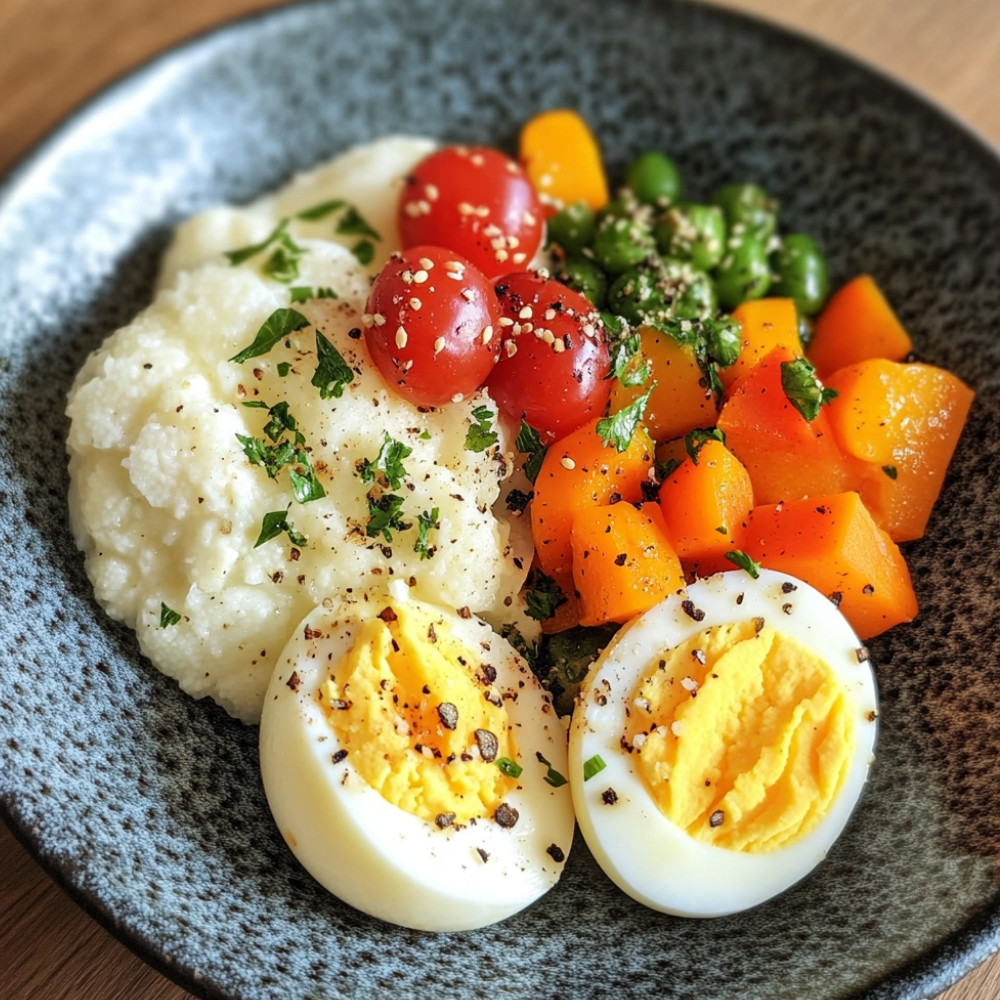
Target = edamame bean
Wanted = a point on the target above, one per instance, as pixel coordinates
(743, 273)
(585, 277)
(572, 227)
(622, 242)
(749, 210)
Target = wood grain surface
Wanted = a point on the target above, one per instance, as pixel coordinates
(57, 53)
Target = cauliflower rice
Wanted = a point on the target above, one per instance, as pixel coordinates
(166, 504)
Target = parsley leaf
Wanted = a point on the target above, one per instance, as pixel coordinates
(364, 251)
(695, 440)
(553, 777)
(283, 452)
(383, 516)
(543, 597)
(804, 390)
(275, 523)
(628, 364)
(353, 223)
(245, 253)
(168, 616)
(303, 293)
(277, 326)
(332, 373)
(890, 471)
(425, 521)
(619, 427)
(388, 462)
(283, 264)
(321, 210)
(481, 434)
(723, 339)
(739, 558)
(529, 442)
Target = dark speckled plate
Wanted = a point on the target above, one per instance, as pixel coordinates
(147, 806)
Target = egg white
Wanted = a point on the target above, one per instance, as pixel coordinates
(642, 851)
(379, 858)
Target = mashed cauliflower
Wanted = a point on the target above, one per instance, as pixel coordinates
(171, 511)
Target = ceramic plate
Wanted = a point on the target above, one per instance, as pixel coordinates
(147, 805)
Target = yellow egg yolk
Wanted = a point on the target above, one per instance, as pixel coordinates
(743, 736)
(420, 719)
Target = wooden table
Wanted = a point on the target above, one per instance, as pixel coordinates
(57, 52)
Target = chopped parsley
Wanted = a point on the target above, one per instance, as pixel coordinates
(425, 521)
(509, 767)
(353, 223)
(529, 442)
(628, 363)
(481, 434)
(286, 449)
(332, 373)
(740, 559)
(527, 649)
(384, 516)
(364, 251)
(274, 524)
(303, 293)
(320, 211)
(804, 390)
(284, 367)
(619, 427)
(593, 765)
(388, 464)
(280, 324)
(695, 440)
(168, 616)
(890, 471)
(543, 597)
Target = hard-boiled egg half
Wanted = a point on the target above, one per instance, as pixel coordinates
(721, 742)
(415, 766)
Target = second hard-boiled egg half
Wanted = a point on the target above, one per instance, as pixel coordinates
(415, 766)
(721, 742)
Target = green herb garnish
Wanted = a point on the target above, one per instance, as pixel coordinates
(593, 765)
(530, 443)
(274, 524)
(283, 451)
(619, 427)
(543, 597)
(280, 324)
(509, 767)
(321, 211)
(695, 440)
(332, 373)
(168, 616)
(384, 516)
(353, 223)
(481, 434)
(303, 293)
(553, 777)
(388, 463)
(425, 521)
(804, 390)
(364, 251)
(890, 471)
(740, 559)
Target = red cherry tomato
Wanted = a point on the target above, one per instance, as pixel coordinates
(554, 364)
(477, 201)
(431, 325)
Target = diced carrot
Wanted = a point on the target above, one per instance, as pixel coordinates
(681, 400)
(563, 159)
(855, 325)
(764, 324)
(580, 471)
(623, 562)
(705, 504)
(904, 422)
(833, 543)
(786, 455)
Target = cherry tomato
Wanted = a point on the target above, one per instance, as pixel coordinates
(431, 325)
(554, 363)
(477, 201)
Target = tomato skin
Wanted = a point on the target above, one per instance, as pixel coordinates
(430, 325)
(477, 201)
(555, 360)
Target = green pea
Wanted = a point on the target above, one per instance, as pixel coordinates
(654, 178)
(749, 210)
(800, 270)
(743, 273)
(573, 227)
(692, 292)
(692, 232)
(585, 277)
(622, 242)
(635, 295)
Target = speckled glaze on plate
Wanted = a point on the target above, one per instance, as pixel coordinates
(147, 806)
